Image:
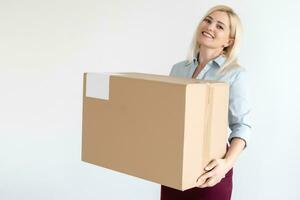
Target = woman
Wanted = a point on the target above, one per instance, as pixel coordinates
(213, 56)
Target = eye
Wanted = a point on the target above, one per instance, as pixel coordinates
(207, 20)
(220, 27)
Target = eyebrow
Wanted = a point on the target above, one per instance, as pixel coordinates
(217, 21)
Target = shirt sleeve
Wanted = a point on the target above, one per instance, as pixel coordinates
(239, 108)
(172, 71)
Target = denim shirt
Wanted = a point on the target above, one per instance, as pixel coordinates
(239, 106)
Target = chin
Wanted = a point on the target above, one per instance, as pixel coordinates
(207, 44)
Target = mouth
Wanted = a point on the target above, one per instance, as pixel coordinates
(207, 34)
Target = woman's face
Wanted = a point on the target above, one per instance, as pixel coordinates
(214, 31)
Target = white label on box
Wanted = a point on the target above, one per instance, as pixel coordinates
(97, 85)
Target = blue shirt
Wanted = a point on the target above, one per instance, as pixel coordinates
(239, 106)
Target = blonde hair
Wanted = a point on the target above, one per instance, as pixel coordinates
(232, 50)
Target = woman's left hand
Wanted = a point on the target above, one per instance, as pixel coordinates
(215, 172)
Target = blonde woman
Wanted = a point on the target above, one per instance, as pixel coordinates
(213, 56)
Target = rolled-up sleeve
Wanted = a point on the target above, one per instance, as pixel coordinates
(239, 108)
(172, 71)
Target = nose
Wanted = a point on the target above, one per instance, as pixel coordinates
(210, 27)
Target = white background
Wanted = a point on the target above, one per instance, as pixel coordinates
(45, 46)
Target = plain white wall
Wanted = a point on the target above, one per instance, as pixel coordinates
(45, 46)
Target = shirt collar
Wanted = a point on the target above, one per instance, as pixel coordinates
(219, 61)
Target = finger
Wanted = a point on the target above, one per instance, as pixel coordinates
(205, 176)
(211, 165)
(209, 183)
(205, 184)
(209, 174)
(200, 181)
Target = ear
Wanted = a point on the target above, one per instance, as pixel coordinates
(229, 42)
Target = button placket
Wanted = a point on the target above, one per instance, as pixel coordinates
(203, 72)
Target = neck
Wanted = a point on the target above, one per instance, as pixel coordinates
(207, 55)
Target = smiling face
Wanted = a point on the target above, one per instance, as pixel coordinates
(214, 31)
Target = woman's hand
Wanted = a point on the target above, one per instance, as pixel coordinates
(218, 168)
(215, 172)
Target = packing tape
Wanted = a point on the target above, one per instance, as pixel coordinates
(207, 124)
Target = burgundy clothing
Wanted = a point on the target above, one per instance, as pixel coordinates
(221, 191)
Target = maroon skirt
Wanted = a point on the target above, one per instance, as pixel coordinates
(221, 191)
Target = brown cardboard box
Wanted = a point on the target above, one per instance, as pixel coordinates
(159, 128)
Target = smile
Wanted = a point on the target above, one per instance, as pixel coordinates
(206, 34)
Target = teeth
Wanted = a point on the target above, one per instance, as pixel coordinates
(207, 34)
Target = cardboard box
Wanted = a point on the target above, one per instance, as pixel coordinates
(159, 128)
